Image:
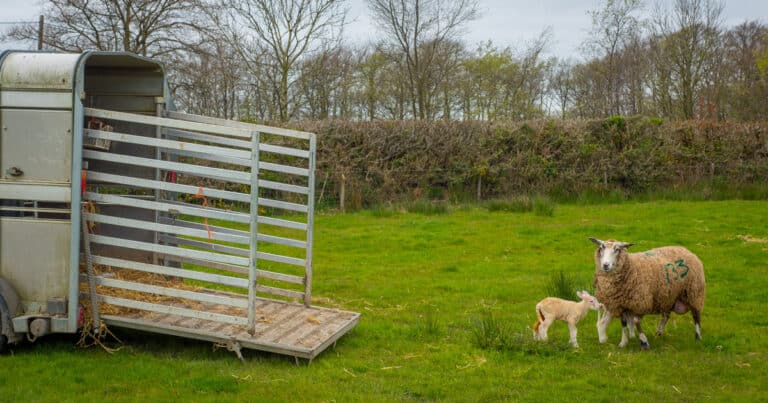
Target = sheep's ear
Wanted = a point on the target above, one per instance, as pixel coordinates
(596, 241)
(625, 245)
(580, 294)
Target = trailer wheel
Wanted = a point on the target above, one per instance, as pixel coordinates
(5, 323)
(9, 303)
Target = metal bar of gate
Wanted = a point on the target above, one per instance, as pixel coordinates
(254, 228)
(233, 124)
(166, 122)
(159, 108)
(310, 222)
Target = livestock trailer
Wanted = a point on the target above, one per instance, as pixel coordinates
(115, 204)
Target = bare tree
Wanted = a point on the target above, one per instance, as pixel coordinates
(272, 36)
(689, 43)
(561, 85)
(371, 69)
(746, 94)
(326, 84)
(209, 80)
(530, 84)
(146, 27)
(446, 74)
(613, 27)
(589, 90)
(419, 29)
(634, 75)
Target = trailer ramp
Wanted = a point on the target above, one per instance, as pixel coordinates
(203, 228)
(281, 327)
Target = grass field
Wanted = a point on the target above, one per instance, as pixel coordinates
(427, 286)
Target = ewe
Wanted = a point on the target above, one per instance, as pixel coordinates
(551, 309)
(658, 281)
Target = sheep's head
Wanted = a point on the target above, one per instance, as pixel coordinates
(592, 301)
(610, 254)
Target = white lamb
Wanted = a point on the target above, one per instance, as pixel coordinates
(551, 309)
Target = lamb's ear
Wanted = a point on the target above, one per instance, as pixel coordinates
(596, 241)
(580, 294)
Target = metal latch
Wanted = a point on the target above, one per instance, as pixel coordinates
(14, 171)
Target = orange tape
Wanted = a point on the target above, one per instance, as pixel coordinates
(199, 195)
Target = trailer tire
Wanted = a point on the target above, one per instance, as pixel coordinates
(9, 306)
(5, 325)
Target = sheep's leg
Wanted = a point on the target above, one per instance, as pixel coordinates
(624, 339)
(640, 335)
(602, 325)
(572, 329)
(662, 323)
(697, 321)
(629, 317)
(543, 328)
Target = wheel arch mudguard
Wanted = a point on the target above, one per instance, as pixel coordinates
(9, 308)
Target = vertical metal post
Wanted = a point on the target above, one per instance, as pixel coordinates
(310, 222)
(254, 229)
(75, 176)
(40, 31)
(159, 111)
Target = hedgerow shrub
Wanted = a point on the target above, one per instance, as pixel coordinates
(401, 162)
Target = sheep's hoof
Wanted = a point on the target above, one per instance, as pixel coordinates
(659, 333)
(645, 346)
(622, 344)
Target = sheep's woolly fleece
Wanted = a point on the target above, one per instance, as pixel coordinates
(650, 282)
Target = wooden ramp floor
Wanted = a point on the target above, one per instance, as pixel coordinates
(281, 327)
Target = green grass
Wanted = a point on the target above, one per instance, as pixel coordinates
(447, 303)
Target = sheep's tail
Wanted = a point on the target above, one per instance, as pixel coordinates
(540, 319)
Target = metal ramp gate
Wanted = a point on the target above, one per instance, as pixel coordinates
(181, 247)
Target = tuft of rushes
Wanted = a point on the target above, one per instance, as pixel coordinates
(544, 207)
(429, 323)
(382, 211)
(489, 333)
(561, 285)
(517, 204)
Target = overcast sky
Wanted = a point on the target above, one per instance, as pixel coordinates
(505, 22)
